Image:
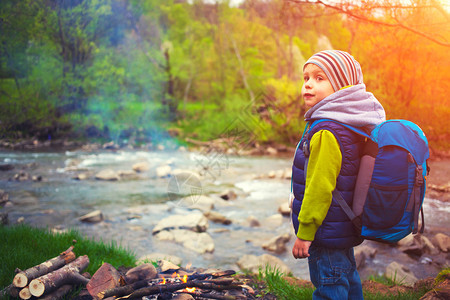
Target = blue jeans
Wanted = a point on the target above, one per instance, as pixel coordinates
(333, 273)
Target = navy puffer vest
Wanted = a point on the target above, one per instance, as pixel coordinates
(336, 230)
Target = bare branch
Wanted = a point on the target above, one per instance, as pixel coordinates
(354, 12)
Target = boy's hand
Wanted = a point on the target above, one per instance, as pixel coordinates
(300, 249)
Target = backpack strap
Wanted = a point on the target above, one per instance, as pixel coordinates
(416, 199)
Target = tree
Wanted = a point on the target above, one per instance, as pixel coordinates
(369, 12)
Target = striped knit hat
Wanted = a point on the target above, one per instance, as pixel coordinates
(340, 67)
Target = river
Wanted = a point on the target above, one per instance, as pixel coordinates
(132, 206)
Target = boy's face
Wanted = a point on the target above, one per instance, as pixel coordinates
(316, 87)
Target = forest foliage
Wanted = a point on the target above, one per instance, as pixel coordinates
(138, 71)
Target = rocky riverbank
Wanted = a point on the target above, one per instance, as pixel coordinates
(202, 224)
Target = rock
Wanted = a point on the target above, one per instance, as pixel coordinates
(277, 244)
(81, 176)
(417, 246)
(22, 176)
(141, 166)
(253, 221)
(127, 174)
(200, 202)
(142, 272)
(4, 197)
(194, 222)
(108, 175)
(6, 167)
(274, 221)
(228, 195)
(442, 241)
(4, 218)
(92, 217)
(165, 266)
(163, 171)
(400, 274)
(253, 263)
(198, 242)
(407, 240)
(183, 296)
(271, 151)
(217, 217)
(284, 209)
(106, 277)
(25, 198)
(110, 146)
(428, 245)
(155, 257)
(362, 252)
(36, 178)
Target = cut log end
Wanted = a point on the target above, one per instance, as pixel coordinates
(25, 293)
(37, 288)
(20, 280)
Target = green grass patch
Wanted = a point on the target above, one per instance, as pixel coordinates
(278, 286)
(23, 247)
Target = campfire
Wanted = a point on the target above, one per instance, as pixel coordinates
(216, 285)
(54, 278)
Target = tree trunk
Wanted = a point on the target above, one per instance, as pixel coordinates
(23, 278)
(241, 69)
(67, 274)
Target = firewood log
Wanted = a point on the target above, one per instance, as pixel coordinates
(161, 288)
(24, 277)
(122, 290)
(106, 277)
(25, 293)
(59, 293)
(69, 274)
(10, 290)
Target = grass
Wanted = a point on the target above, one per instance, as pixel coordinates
(23, 247)
(277, 285)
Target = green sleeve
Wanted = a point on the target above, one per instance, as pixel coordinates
(324, 166)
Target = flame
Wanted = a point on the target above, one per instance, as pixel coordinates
(184, 279)
(163, 281)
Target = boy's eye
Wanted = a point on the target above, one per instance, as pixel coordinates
(319, 78)
(305, 78)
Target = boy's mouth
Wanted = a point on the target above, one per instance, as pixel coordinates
(308, 95)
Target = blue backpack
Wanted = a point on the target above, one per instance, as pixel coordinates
(390, 186)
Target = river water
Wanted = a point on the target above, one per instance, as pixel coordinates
(133, 205)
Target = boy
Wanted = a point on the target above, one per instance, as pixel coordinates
(333, 89)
